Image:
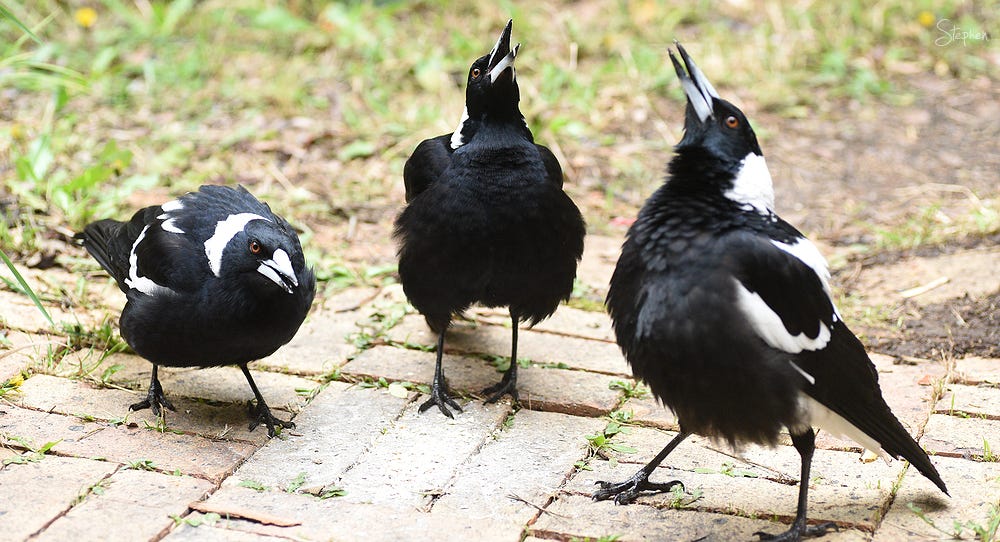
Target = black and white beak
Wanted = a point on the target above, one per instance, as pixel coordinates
(502, 56)
(279, 270)
(696, 86)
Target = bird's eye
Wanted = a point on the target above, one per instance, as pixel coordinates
(476, 72)
(732, 122)
(255, 247)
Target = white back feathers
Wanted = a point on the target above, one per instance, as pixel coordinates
(225, 230)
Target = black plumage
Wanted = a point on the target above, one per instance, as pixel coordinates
(487, 221)
(211, 278)
(724, 310)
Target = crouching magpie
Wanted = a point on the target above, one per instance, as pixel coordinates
(487, 220)
(724, 309)
(211, 278)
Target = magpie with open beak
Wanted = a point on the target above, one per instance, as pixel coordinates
(724, 310)
(487, 220)
(211, 278)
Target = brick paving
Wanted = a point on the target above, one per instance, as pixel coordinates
(363, 464)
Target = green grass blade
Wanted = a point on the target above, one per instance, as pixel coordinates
(5, 13)
(24, 285)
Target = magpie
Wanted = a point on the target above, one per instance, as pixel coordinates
(486, 219)
(724, 310)
(211, 278)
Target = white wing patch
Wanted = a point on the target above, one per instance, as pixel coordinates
(807, 253)
(169, 222)
(456, 138)
(833, 423)
(134, 281)
(170, 225)
(768, 324)
(225, 230)
(752, 187)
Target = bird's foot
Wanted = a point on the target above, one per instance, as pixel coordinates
(627, 491)
(441, 398)
(506, 386)
(261, 414)
(154, 400)
(798, 532)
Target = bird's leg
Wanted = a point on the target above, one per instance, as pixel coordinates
(627, 491)
(805, 443)
(507, 384)
(261, 413)
(439, 389)
(154, 397)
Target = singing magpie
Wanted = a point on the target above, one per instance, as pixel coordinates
(724, 310)
(211, 278)
(486, 219)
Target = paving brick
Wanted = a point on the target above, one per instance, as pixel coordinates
(337, 427)
(600, 254)
(571, 392)
(127, 496)
(974, 370)
(340, 519)
(221, 384)
(528, 461)
(968, 271)
(321, 344)
(578, 517)
(974, 489)
(77, 398)
(976, 401)
(420, 454)
(960, 436)
(566, 320)
(189, 454)
(574, 352)
(20, 313)
(17, 352)
(647, 410)
(213, 533)
(761, 482)
(53, 483)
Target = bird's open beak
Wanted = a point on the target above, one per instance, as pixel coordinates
(696, 86)
(279, 270)
(502, 56)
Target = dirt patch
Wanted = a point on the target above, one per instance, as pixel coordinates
(954, 328)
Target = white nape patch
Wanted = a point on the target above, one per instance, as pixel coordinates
(279, 264)
(134, 281)
(807, 376)
(170, 225)
(833, 423)
(225, 230)
(457, 140)
(807, 253)
(753, 185)
(768, 324)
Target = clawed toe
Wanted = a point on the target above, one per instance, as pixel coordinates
(796, 533)
(261, 414)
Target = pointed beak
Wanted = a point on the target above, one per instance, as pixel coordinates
(696, 86)
(502, 56)
(279, 270)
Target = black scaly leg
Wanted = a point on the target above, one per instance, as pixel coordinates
(507, 384)
(262, 413)
(439, 389)
(154, 397)
(627, 491)
(805, 443)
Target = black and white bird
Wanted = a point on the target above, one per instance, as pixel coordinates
(487, 220)
(724, 310)
(211, 278)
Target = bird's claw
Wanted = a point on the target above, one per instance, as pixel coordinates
(261, 414)
(794, 534)
(626, 492)
(154, 401)
(441, 398)
(506, 386)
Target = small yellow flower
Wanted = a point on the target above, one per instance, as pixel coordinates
(17, 132)
(85, 17)
(926, 19)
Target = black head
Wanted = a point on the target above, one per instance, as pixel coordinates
(262, 253)
(718, 135)
(492, 85)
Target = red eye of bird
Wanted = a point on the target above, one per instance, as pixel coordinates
(255, 247)
(476, 72)
(732, 122)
